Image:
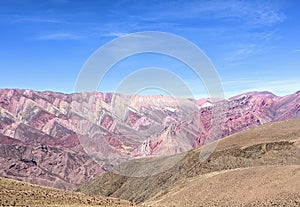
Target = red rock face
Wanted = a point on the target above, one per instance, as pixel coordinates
(40, 119)
(45, 136)
(107, 122)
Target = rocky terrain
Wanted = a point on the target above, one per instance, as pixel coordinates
(15, 193)
(256, 167)
(255, 186)
(63, 140)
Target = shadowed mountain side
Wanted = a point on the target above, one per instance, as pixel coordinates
(272, 144)
(46, 165)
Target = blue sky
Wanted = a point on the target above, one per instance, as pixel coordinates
(254, 45)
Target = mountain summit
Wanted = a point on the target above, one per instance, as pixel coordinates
(63, 140)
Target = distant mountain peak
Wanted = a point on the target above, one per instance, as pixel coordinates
(113, 128)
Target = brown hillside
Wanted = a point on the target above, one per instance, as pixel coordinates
(16, 193)
(271, 144)
(255, 186)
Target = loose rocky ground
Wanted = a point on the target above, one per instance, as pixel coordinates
(255, 186)
(16, 193)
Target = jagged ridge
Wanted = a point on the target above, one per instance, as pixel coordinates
(44, 136)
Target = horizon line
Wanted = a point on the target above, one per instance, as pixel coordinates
(164, 95)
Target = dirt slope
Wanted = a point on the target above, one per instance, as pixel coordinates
(271, 144)
(257, 186)
(16, 193)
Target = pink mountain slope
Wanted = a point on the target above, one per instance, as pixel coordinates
(62, 140)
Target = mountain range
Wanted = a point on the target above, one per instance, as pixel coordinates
(63, 140)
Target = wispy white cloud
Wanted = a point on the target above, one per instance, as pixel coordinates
(247, 26)
(37, 20)
(233, 10)
(254, 36)
(60, 36)
(278, 87)
(248, 44)
(243, 51)
(186, 16)
(15, 19)
(236, 87)
(114, 34)
(296, 51)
